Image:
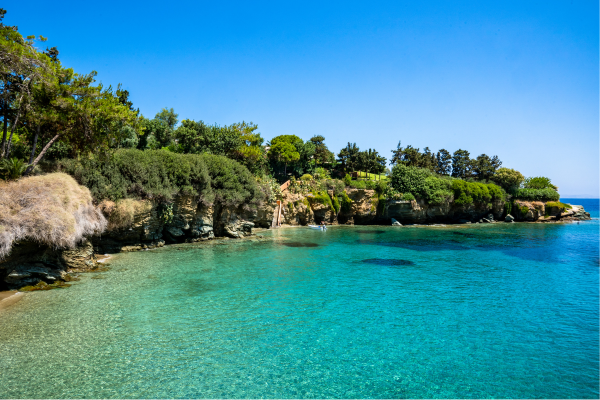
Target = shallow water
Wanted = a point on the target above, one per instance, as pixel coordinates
(504, 310)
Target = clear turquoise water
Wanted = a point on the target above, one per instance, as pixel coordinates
(504, 310)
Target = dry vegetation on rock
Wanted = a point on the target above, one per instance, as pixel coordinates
(49, 209)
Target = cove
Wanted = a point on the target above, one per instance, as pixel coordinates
(503, 310)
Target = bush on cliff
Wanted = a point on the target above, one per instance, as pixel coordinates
(345, 202)
(161, 175)
(508, 179)
(424, 184)
(122, 213)
(466, 193)
(538, 182)
(231, 182)
(536, 195)
(421, 183)
(321, 197)
(48, 209)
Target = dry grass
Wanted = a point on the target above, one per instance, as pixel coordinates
(49, 209)
(122, 214)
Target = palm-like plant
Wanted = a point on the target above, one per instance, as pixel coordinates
(12, 168)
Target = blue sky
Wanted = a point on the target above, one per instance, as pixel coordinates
(516, 79)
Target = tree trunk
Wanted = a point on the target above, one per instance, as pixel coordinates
(41, 155)
(6, 148)
(35, 139)
(12, 131)
(5, 122)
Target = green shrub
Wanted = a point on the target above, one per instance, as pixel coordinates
(336, 204)
(358, 184)
(496, 192)
(409, 179)
(321, 197)
(558, 203)
(161, 175)
(536, 194)
(466, 193)
(508, 207)
(561, 206)
(538, 182)
(381, 187)
(321, 173)
(371, 185)
(348, 179)
(345, 202)
(508, 179)
(421, 183)
(408, 197)
(306, 177)
(12, 168)
(335, 185)
(231, 182)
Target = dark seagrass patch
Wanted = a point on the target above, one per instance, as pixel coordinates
(387, 261)
(299, 244)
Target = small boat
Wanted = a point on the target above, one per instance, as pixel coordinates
(320, 227)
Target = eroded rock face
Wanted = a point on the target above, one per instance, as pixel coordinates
(304, 209)
(364, 205)
(418, 212)
(187, 221)
(296, 210)
(576, 213)
(29, 263)
(528, 211)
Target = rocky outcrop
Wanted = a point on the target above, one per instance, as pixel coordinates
(305, 209)
(364, 207)
(29, 263)
(133, 225)
(186, 220)
(419, 212)
(537, 211)
(528, 211)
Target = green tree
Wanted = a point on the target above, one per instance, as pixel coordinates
(197, 137)
(322, 154)
(398, 154)
(283, 151)
(348, 158)
(83, 116)
(508, 179)
(484, 167)
(539, 182)
(21, 67)
(428, 160)
(160, 130)
(444, 162)
(370, 161)
(461, 164)
(251, 152)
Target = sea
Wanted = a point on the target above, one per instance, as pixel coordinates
(458, 311)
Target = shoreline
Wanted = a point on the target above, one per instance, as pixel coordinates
(9, 298)
(102, 258)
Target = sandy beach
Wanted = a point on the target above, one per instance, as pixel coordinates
(8, 298)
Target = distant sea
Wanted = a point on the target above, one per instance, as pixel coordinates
(480, 311)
